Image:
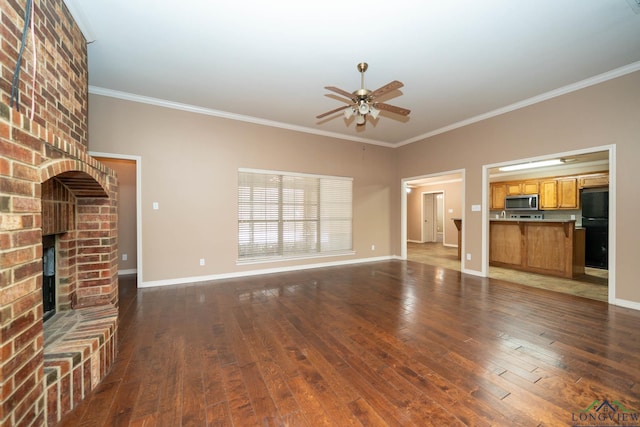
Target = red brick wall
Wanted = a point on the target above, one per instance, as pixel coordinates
(61, 89)
(53, 144)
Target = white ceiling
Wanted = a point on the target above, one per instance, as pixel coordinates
(268, 61)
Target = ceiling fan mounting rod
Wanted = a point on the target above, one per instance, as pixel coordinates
(362, 93)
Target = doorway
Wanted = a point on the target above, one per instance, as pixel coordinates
(437, 199)
(596, 283)
(129, 211)
(433, 217)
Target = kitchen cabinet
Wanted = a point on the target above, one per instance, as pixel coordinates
(561, 193)
(498, 192)
(568, 193)
(549, 194)
(523, 187)
(594, 180)
(546, 247)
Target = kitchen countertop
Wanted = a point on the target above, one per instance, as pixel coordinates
(531, 220)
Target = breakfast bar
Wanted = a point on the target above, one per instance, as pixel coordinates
(539, 246)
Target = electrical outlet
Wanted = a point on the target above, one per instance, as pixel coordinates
(201, 261)
(468, 257)
(156, 206)
(373, 247)
(125, 257)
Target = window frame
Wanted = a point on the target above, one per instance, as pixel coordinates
(246, 208)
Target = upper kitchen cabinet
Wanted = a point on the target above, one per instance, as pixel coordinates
(556, 192)
(498, 192)
(549, 194)
(594, 180)
(559, 193)
(568, 193)
(521, 188)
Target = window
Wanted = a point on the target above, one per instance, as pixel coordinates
(284, 215)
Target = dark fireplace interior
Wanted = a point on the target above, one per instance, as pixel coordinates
(48, 276)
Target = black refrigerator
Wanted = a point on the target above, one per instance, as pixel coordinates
(595, 220)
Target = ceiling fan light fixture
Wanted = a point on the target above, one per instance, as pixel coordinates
(348, 113)
(362, 101)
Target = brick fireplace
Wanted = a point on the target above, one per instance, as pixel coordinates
(51, 188)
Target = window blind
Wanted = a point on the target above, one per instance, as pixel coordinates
(283, 215)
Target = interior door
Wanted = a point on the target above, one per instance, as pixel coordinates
(428, 218)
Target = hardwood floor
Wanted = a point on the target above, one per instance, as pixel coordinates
(386, 343)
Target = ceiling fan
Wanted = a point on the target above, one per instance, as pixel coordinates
(362, 103)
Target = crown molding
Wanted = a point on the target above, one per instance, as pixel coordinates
(226, 115)
(600, 78)
(618, 72)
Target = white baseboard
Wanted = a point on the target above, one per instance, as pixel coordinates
(627, 304)
(474, 272)
(126, 272)
(195, 279)
(449, 245)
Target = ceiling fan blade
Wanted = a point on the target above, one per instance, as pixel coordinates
(386, 89)
(340, 91)
(392, 108)
(328, 113)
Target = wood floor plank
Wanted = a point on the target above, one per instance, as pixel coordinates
(311, 409)
(240, 408)
(122, 408)
(383, 343)
(170, 404)
(270, 365)
(218, 415)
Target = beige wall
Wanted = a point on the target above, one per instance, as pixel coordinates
(600, 115)
(189, 165)
(452, 201)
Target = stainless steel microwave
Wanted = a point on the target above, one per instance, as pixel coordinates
(526, 202)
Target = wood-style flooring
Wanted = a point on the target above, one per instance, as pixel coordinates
(593, 284)
(391, 343)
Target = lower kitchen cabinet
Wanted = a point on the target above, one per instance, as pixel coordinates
(548, 247)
